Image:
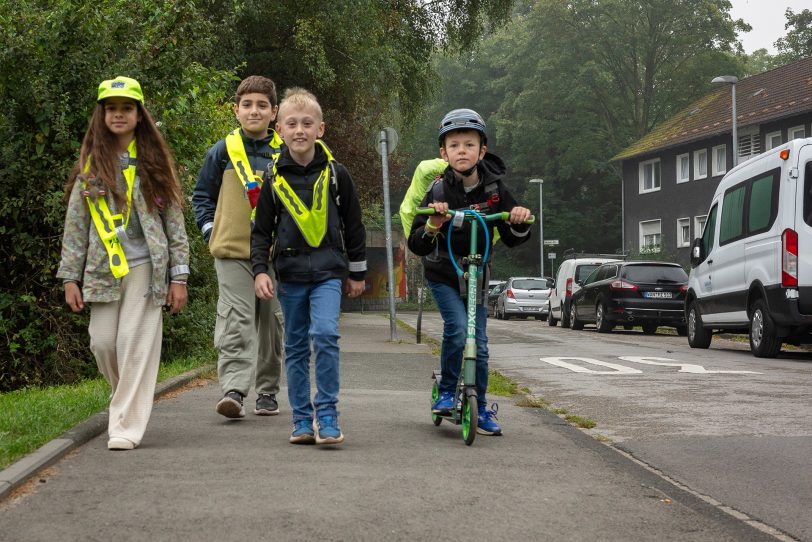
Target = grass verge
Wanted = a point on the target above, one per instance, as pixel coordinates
(32, 417)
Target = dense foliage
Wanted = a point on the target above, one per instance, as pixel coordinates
(568, 84)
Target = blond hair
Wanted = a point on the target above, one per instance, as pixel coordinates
(299, 98)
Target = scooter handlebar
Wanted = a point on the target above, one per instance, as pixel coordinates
(488, 218)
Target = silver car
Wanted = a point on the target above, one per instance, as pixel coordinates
(523, 297)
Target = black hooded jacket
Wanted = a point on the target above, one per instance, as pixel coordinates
(491, 170)
(294, 260)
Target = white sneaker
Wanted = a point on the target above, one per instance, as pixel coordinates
(118, 443)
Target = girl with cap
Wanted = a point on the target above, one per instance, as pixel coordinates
(124, 250)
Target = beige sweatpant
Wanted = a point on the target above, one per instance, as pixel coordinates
(125, 337)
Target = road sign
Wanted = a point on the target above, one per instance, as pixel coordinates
(551, 255)
(551, 242)
(391, 140)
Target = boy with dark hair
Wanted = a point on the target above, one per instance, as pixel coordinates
(473, 179)
(248, 332)
(309, 211)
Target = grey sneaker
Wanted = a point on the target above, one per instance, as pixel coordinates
(266, 405)
(230, 405)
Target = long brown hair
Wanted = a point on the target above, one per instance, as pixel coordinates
(156, 165)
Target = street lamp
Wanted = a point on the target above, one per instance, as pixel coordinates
(731, 80)
(540, 182)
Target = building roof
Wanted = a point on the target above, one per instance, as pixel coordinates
(768, 96)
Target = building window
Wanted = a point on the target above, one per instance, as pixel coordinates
(650, 237)
(683, 168)
(683, 232)
(650, 175)
(798, 132)
(701, 164)
(773, 140)
(749, 144)
(699, 224)
(719, 160)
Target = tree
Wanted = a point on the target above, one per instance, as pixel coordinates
(568, 84)
(797, 44)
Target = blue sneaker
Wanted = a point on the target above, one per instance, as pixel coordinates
(444, 403)
(327, 430)
(485, 421)
(302, 432)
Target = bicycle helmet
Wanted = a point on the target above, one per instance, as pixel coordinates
(462, 119)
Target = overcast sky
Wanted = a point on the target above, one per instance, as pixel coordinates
(767, 19)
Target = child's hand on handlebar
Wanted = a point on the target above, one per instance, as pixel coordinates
(441, 216)
(519, 215)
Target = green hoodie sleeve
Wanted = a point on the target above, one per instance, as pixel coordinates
(425, 172)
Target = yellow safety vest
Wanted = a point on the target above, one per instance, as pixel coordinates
(107, 224)
(239, 159)
(311, 222)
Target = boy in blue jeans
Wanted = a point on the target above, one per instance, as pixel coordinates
(473, 179)
(309, 211)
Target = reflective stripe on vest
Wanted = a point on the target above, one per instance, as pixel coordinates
(312, 223)
(107, 224)
(239, 159)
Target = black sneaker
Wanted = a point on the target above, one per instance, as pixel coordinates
(230, 405)
(266, 405)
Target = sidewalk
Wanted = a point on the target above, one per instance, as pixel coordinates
(198, 476)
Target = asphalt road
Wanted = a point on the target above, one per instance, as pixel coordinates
(734, 428)
(197, 476)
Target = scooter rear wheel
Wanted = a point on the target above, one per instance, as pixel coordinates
(469, 416)
(435, 394)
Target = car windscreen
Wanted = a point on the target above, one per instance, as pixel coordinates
(654, 274)
(583, 271)
(530, 284)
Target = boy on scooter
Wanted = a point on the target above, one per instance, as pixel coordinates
(473, 179)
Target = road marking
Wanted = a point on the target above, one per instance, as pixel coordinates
(683, 367)
(618, 369)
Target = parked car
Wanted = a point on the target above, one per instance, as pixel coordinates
(571, 274)
(649, 294)
(752, 267)
(493, 294)
(524, 296)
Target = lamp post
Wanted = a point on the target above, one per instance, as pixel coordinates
(731, 80)
(540, 182)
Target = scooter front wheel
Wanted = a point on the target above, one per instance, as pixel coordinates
(469, 415)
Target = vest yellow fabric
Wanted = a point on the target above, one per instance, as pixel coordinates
(108, 224)
(312, 223)
(239, 159)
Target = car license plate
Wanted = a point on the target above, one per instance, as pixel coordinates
(658, 295)
(531, 309)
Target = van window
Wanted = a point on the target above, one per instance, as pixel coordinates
(583, 271)
(710, 231)
(763, 206)
(731, 227)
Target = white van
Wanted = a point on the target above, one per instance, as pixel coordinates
(571, 274)
(752, 267)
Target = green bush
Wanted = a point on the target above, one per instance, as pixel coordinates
(52, 58)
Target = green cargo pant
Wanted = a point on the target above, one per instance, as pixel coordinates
(248, 333)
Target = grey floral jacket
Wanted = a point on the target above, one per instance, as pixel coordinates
(84, 258)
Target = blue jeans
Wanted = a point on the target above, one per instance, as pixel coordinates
(311, 312)
(455, 322)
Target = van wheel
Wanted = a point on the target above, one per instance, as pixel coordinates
(764, 342)
(551, 321)
(603, 323)
(574, 322)
(698, 336)
(565, 317)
